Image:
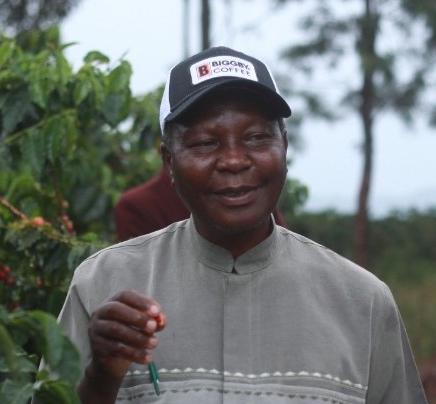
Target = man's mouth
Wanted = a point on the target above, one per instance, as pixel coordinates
(235, 191)
(236, 195)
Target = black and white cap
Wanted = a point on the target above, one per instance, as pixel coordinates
(198, 75)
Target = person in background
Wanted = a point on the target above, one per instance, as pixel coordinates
(150, 206)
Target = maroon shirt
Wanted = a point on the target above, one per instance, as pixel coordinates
(153, 206)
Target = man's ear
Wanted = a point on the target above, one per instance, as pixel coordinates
(167, 160)
(285, 140)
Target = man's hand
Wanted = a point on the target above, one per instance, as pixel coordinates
(121, 331)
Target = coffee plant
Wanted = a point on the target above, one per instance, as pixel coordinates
(71, 141)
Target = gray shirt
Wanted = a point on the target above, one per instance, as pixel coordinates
(289, 321)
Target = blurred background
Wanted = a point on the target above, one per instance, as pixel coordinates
(80, 86)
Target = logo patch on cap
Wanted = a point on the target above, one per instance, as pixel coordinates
(222, 66)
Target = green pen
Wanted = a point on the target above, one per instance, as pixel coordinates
(154, 377)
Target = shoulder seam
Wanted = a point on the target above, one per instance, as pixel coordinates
(290, 233)
(139, 243)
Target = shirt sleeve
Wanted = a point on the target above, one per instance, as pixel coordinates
(393, 377)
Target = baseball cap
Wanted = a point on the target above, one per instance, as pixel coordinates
(213, 68)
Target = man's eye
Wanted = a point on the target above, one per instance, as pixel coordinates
(202, 143)
(259, 137)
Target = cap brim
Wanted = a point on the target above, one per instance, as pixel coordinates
(276, 104)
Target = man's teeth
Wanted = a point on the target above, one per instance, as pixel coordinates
(236, 193)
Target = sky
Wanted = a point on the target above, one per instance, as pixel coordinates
(149, 35)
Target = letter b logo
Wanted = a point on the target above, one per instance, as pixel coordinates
(203, 70)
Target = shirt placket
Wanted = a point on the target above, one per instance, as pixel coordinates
(237, 335)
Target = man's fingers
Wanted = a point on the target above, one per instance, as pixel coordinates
(118, 311)
(132, 308)
(129, 336)
(105, 348)
(137, 300)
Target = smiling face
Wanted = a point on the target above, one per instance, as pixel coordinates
(228, 161)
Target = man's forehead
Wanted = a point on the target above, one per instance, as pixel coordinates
(227, 100)
(221, 116)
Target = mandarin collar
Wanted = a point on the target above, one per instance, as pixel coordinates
(218, 258)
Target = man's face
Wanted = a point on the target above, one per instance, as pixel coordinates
(228, 161)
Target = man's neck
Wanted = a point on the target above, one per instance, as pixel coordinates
(238, 242)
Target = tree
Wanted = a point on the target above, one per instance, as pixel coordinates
(426, 11)
(390, 77)
(186, 25)
(24, 15)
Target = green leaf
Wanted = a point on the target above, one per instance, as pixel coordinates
(76, 255)
(6, 50)
(60, 135)
(90, 237)
(67, 45)
(26, 365)
(96, 56)
(56, 297)
(49, 336)
(34, 150)
(14, 109)
(52, 35)
(39, 92)
(54, 133)
(7, 349)
(58, 352)
(64, 71)
(116, 107)
(119, 78)
(71, 135)
(6, 173)
(22, 184)
(68, 367)
(57, 392)
(81, 90)
(15, 392)
(23, 364)
(97, 84)
(4, 318)
(9, 79)
(22, 239)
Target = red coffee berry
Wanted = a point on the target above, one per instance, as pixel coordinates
(38, 221)
(11, 281)
(160, 320)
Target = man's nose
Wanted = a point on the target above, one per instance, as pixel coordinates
(233, 159)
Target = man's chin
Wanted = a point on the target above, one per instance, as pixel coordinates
(240, 224)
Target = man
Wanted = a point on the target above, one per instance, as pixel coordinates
(249, 311)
